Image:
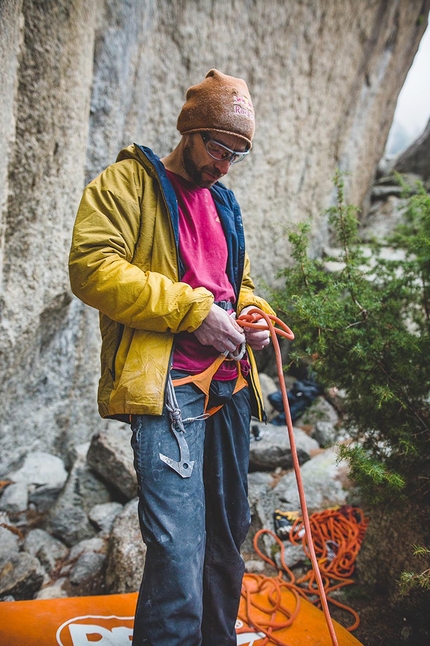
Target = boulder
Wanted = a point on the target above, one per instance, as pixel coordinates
(69, 517)
(127, 551)
(320, 411)
(416, 159)
(324, 480)
(273, 449)
(43, 474)
(110, 455)
(262, 504)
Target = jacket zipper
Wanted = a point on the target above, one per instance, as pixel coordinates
(118, 343)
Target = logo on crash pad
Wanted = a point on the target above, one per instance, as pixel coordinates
(92, 630)
(246, 636)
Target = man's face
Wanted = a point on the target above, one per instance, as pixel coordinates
(200, 166)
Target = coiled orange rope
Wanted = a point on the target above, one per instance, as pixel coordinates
(278, 615)
(337, 535)
(254, 318)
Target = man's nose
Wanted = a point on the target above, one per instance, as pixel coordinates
(223, 165)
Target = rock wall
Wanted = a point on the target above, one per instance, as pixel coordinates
(81, 78)
(416, 159)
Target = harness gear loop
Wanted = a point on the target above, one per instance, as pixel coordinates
(204, 379)
(184, 467)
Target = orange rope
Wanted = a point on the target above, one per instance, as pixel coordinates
(279, 617)
(337, 535)
(253, 319)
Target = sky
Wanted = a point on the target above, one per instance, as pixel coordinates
(413, 105)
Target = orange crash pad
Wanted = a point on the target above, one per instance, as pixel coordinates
(108, 621)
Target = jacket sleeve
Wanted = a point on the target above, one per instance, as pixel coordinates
(247, 295)
(102, 273)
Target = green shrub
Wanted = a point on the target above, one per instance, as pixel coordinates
(410, 580)
(365, 330)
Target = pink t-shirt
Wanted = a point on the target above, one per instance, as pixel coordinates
(204, 254)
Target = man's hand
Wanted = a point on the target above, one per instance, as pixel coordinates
(256, 339)
(220, 330)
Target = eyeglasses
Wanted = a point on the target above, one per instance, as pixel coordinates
(221, 152)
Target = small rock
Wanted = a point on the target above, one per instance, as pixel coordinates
(328, 435)
(96, 544)
(254, 566)
(21, 575)
(382, 218)
(9, 542)
(90, 489)
(88, 565)
(68, 518)
(54, 591)
(70, 524)
(44, 547)
(14, 499)
(293, 555)
(103, 516)
(66, 569)
(4, 518)
(382, 192)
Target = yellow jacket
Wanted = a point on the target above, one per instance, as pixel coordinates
(124, 262)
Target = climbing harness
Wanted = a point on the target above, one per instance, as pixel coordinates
(184, 467)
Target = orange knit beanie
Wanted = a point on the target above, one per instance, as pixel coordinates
(221, 103)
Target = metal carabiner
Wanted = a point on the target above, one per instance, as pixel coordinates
(184, 467)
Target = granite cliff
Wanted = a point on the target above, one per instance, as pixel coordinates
(81, 78)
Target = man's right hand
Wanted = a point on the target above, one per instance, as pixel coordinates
(220, 330)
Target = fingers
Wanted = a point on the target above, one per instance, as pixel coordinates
(220, 331)
(257, 339)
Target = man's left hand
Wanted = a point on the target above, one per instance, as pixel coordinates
(255, 338)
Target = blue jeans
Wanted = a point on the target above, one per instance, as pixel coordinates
(193, 527)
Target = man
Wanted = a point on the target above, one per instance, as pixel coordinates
(158, 248)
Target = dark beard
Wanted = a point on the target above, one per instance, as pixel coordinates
(195, 173)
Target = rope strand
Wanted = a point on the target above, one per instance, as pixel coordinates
(277, 328)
